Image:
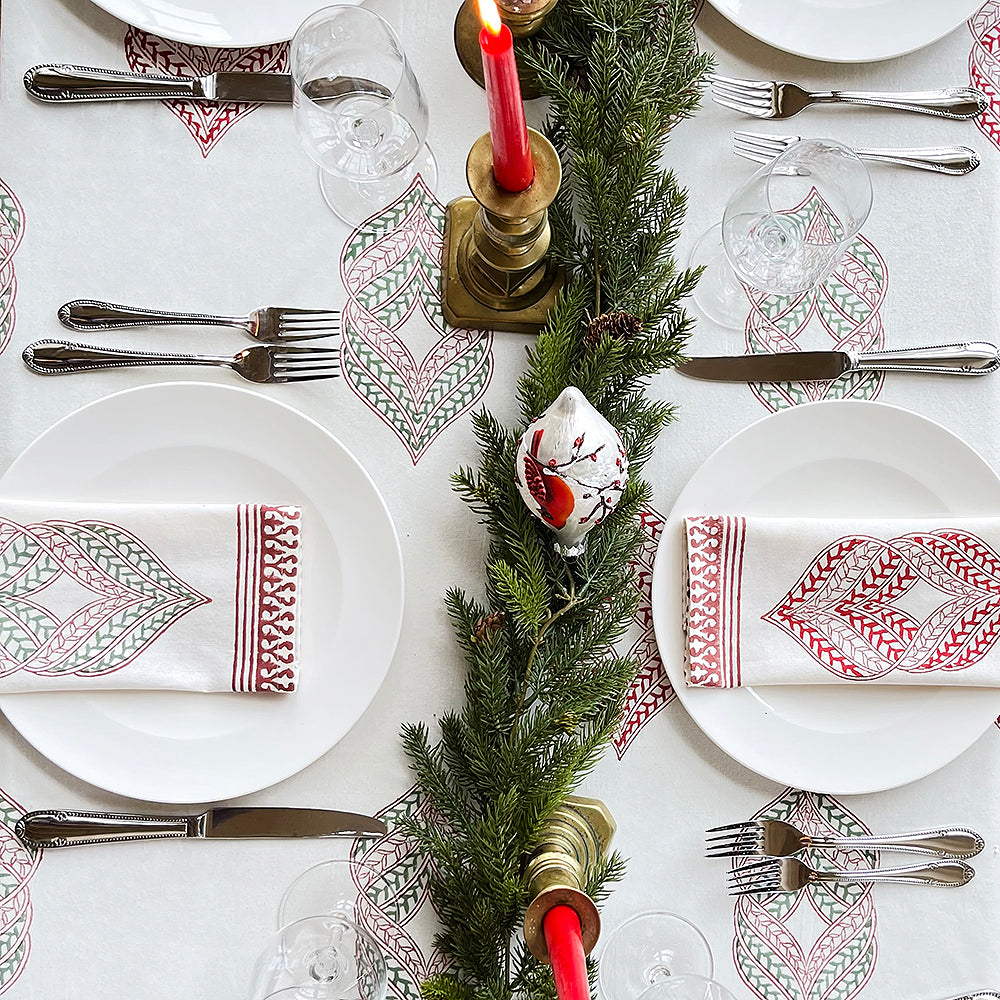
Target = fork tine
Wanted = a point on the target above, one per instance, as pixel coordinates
(308, 369)
(746, 825)
(308, 312)
(734, 82)
(754, 157)
(734, 832)
(303, 351)
(750, 96)
(308, 327)
(293, 338)
(765, 139)
(755, 866)
(317, 317)
(733, 843)
(744, 109)
(307, 378)
(754, 150)
(756, 890)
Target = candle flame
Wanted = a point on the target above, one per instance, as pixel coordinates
(489, 15)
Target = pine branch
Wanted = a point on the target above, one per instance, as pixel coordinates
(544, 688)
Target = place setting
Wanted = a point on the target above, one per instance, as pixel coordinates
(556, 553)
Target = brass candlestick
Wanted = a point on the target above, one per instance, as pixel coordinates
(523, 17)
(576, 836)
(496, 272)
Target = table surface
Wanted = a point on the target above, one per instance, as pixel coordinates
(215, 210)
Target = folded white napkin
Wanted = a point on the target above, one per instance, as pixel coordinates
(196, 597)
(812, 601)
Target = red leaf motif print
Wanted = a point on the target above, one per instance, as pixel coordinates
(207, 121)
(843, 608)
(651, 690)
(984, 66)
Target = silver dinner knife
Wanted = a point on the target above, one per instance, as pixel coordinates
(974, 357)
(67, 828)
(61, 82)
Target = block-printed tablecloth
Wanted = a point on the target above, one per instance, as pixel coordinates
(184, 205)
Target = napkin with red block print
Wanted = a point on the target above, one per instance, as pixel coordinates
(197, 597)
(813, 601)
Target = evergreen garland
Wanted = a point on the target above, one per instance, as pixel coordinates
(545, 688)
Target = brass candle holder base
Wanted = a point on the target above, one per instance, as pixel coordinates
(497, 275)
(523, 17)
(576, 836)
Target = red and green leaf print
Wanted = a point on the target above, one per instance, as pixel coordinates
(392, 902)
(125, 597)
(207, 121)
(17, 866)
(844, 610)
(651, 690)
(820, 943)
(842, 313)
(398, 354)
(984, 66)
(11, 231)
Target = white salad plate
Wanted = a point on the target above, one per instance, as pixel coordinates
(848, 30)
(202, 442)
(217, 23)
(840, 458)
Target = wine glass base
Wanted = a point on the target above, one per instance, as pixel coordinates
(649, 948)
(719, 295)
(358, 202)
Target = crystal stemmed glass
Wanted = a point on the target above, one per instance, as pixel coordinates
(650, 948)
(687, 987)
(785, 230)
(321, 952)
(358, 110)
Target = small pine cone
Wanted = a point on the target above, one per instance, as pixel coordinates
(488, 626)
(617, 325)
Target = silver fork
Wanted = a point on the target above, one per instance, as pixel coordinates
(261, 364)
(272, 325)
(778, 839)
(763, 148)
(790, 875)
(779, 99)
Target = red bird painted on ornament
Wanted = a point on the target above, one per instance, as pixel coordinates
(551, 491)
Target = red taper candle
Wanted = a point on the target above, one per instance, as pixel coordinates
(565, 943)
(512, 166)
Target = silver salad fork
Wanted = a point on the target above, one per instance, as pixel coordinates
(272, 325)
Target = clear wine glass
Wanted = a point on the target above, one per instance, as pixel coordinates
(321, 951)
(687, 987)
(650, 948)
(358, 110)
(785, 230)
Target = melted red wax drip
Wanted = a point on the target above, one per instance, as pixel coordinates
(565, 943)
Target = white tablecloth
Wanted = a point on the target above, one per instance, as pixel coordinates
(136, 204)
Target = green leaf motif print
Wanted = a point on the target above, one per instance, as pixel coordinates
(392, 898)
(818, 944)
(123, 597)
(392, 273)
(843, 313)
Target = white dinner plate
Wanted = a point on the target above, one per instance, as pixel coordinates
(848, 30)
(843, 458)
(219, 23)
(202, 442)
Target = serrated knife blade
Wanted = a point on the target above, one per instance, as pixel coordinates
(67, 828)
